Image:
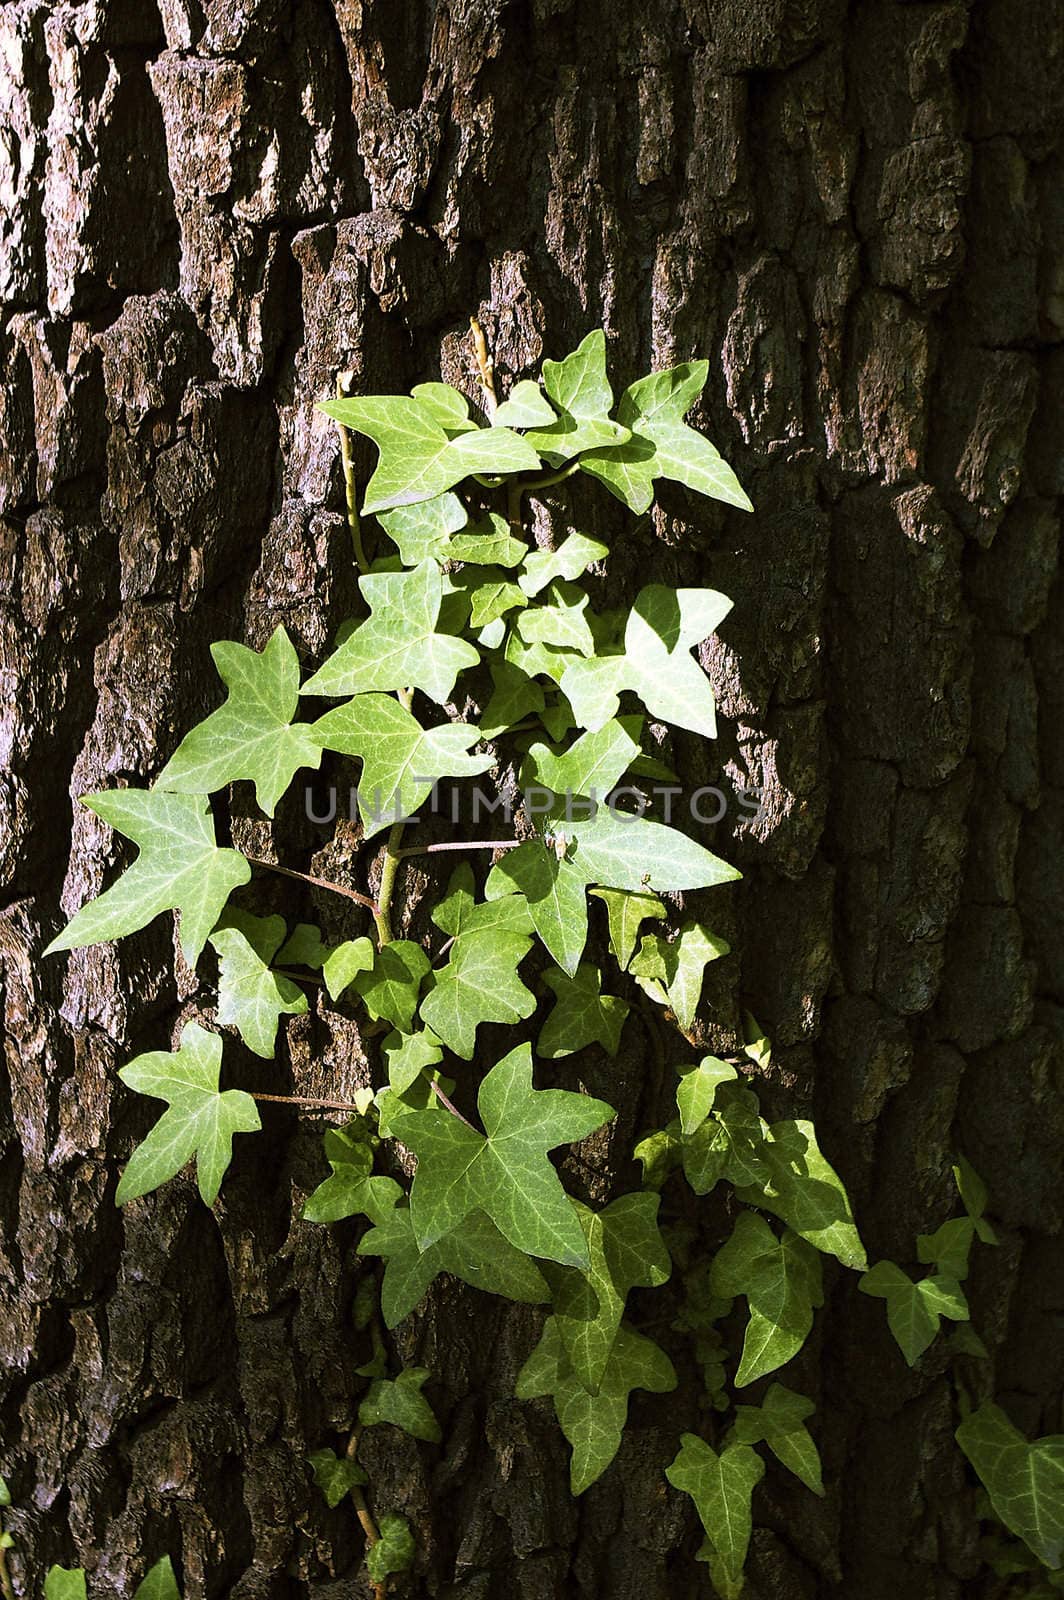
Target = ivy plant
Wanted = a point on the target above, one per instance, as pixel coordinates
(478, 653)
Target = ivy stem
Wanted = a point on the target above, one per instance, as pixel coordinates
(343, 382)
(461, 844)
(364, 1514)
(449, 1104)
(306, 1100)
(485, 366)
(546, 479)
(6, 1587)
(382, 914)
(318, 883)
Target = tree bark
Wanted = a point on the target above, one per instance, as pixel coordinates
(856, 213)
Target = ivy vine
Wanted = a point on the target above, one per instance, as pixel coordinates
(479, 653)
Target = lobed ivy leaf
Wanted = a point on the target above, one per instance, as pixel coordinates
(722, 1488)
(572, 558)
(525, 407)
(914, 1310)
(593, 1423)
(554, 894)
(581, 393)
(558, 620)
(180, 867)
(251, 997)
(478, 984)
(390, 988)
(459, 912)
(728, 1144)
(626, 1251)
(335, 1476)
(659, 1153)
(352, 1189)
(780, 1421)
(780, 1279)
(489, 542)
(627, 910)
(407, 1055)
(252, 735)
(418, 461)
(201, 1120)
(1025, 1480)
(670, 971)
(401, 760)
(491, 594)
(504, 1172)
(476, 1252)
(663, 627)
(398, 646)
(948, 1248)
(697, 1091)
(661, 445)
(424, 529)
(593, 764)
(804, 1190)
(394, 1550)
(973, 1193)
(582, 1014)
(618, 851)
(400, 1402)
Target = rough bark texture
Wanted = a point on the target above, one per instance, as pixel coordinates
(856, 212)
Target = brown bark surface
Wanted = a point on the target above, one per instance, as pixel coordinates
(207, 208)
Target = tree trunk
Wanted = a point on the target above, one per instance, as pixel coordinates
(855, 212)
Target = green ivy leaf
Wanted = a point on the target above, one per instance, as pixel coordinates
(401, 760)
(251, 997)
(804, 1190)
(158, 1583)
(627, 852)
(581, 393)
(417, 459)
(780, 1421)
(558, 620)
(335, 1477)
(343, 965)
(352, 1190)
(390, 988)
(252, 735)
(505, 1173)
(721, 1487)
(973, 1193)
(488, 542)
(515, 696)
(662, 445)
(592, 766)
(572, 558)
(394, 1550)
(476, 1252)
(398, 646)
(458, 912)
(407, 1055)
(593, 1424)
(64, 1583)
(554, 894)
(582, 1015)
(948, 1247)
(780, 1279)
(697, 1090)
(728, 1144)
(1025, 1481)
(914, 1310)
(659, 1154)
(626, 1251)
(180, 867)
(525, 407)
(490, 594)
(627, 911)
(663, 627)
(424, 529)
(201, 1121)
(478, 984)
(401, 1402)
(671, 971)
